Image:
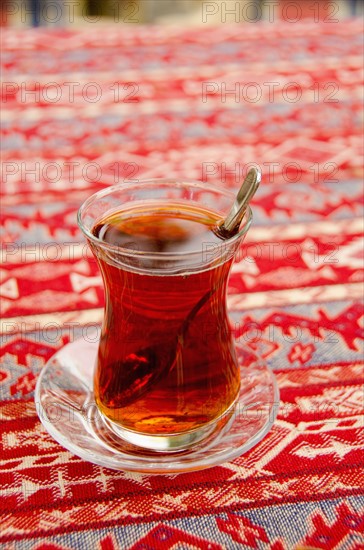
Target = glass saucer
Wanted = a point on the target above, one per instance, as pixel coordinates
(67, 410)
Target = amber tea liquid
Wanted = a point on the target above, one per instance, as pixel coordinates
(166, 362)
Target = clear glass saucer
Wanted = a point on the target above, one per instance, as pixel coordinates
(66, 408)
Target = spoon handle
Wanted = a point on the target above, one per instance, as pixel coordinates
(246, 192)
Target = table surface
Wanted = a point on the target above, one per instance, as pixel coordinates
(83, 110)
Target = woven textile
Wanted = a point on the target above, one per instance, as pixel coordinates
(89, 108)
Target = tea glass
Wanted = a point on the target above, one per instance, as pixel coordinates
(167, 373)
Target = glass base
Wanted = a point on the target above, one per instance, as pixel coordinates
(170, 442)
(66, 408)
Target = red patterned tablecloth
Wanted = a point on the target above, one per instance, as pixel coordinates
(85, 109)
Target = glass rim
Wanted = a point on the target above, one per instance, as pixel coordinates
(198, 185)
